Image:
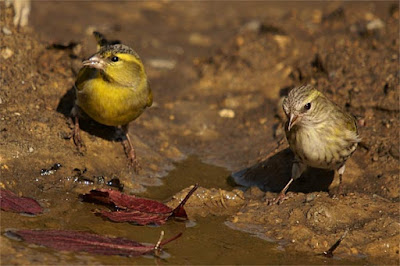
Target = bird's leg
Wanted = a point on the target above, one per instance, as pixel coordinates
(297, 169)
(282, 195)
(129, 149)
(76, 130)
(340, 172)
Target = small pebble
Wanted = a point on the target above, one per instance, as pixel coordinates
(50, 171)
(239, 41)
(262, 121)
(361, 122)
(162, 63)
(226, 113)
(30, 149)
(375, 157)
(354, 251)
(394, 151)
(375, 24)
(115, 182)
(6, 52)
(310, 197)
(100, 180)
(253, 26)
(282, 40)
(6, 30)
(199, 39)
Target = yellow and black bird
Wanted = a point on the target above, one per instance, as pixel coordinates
(112, 88)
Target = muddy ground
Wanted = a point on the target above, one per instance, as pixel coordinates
(218, 71)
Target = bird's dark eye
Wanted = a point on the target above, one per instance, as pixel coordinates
(307, 106)
(114, 58)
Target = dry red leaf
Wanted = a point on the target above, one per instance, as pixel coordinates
(126, 202)
(11, 202)
(87, 242)
(130, 208)
(140, 218)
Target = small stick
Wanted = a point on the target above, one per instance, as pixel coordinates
(183, 202)
(222, 199)
(157, 246)
(273, 150)
(329, 252)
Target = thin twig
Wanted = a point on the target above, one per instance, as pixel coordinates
(274, 150)
(222, 199)
(157, 246)
(329, 252)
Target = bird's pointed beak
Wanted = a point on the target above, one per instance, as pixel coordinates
(95, 62)
(292, 121)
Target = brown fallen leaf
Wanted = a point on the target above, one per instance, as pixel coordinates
(129, 208)
(11, 202)
(87, 242)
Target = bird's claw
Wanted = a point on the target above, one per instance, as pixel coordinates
(336, 195)
(281, 198)
(337, 192)
(278, 200)
(134, 164)
(76, 136)
(130, 153)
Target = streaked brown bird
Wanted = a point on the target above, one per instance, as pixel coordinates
(319, 132)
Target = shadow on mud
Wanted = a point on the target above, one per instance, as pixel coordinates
(273, 174)
(85, 122)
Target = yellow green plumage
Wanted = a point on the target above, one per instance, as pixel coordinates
(112, 88)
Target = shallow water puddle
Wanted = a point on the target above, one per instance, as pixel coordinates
(208, 240)
(189, 172)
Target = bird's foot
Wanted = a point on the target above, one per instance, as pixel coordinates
(337, 193)
(76, 136)
(75, 131)
(134, 164)
(131, 155)
(279, 199)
